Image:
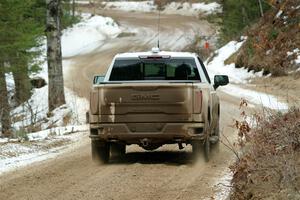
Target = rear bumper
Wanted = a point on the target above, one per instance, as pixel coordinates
(160, 133)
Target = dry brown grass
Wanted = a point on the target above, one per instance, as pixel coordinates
(270, 165)
(196, 46)
(270, 39)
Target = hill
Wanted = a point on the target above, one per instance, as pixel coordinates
(273, 43)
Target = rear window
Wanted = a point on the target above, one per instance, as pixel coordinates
(155, 69)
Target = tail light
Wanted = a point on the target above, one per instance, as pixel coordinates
(197, 101)
(94, 102)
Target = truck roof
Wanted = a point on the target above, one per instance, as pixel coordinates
(155, 53)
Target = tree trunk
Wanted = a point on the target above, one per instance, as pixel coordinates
(22, 81)
(245, 16)
(56, 96)
(4, 104)
(261, 8)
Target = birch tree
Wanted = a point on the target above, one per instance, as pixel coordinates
(56, 96)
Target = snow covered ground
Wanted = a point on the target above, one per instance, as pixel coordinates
(83, 37)
(130, 6)
(192, 9)
(240, 76)
(43, 145)
(87, 35)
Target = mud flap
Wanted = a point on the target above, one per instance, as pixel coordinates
(100, 151)
(117, 150)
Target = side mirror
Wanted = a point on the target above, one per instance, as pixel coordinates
(220, 80)
(98, 79)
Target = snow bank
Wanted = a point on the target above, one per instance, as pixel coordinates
(259, 98)
(35, 110)
(239, 76)
(58, 131)
(217, 66)
(87, 35)
(172, 8)
(192, 8)
(129, 6)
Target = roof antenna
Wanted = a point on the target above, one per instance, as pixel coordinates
(158, 28)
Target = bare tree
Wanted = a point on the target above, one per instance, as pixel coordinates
(4, 104)
(56, 96)
(261, 8)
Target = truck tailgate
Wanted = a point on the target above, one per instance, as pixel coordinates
(144, 102)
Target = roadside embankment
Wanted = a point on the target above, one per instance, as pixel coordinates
(270, 165)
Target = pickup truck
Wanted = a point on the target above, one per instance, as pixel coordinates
(152, 99)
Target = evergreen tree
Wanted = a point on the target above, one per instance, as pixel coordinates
(19, 29)
(238, 14)
(20, 25)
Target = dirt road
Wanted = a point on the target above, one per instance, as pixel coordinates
(163, 174)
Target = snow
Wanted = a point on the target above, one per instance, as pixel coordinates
(240, 76)
(130, 6)
(297, 53)
(16, 155)
(259, 98)
(87, 35)
(82, 2)
(10, 84)
(278, 14)
(35, 110)
(64, 130)
(223, 186)
(182, 8)
(217, 66)
(192, 8)
(297, 61)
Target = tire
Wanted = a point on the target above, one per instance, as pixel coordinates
(100, 151)
(217, 133)
(117, 150)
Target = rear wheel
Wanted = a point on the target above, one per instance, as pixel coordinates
(215, 137)
(203, 146)
(100, 151)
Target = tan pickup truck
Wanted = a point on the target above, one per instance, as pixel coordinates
(151, 99)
